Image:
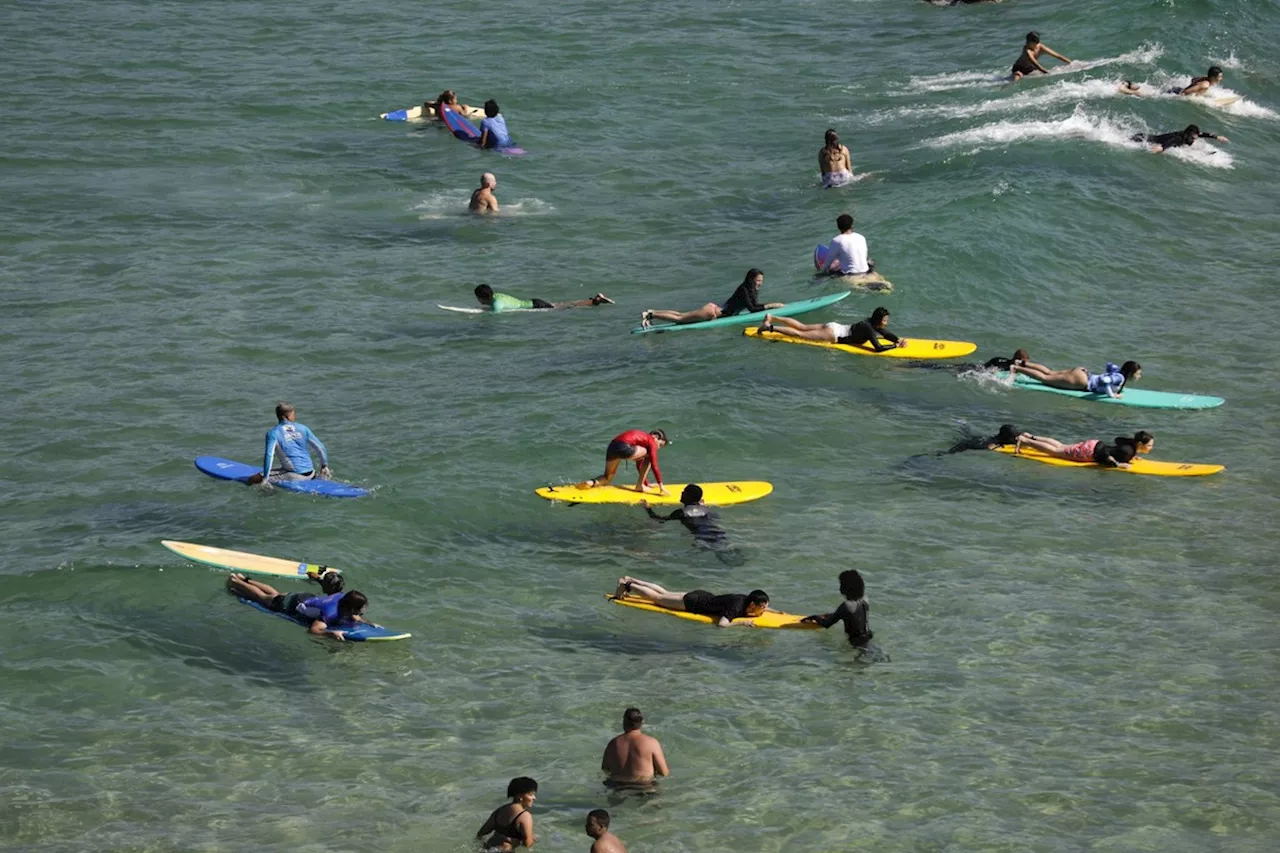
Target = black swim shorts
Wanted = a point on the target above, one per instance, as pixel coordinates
(619, 450)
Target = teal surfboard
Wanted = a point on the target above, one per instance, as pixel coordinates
(1129, 397)
(789, 310)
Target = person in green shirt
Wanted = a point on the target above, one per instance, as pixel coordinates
(498, 302)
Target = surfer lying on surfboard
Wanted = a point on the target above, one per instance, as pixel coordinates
(726, 610)
(1118, 455)
(868, 331)
(1201, 85)
(1160, 142)
(499, 302)
(636, 446)
(330, 613)
(744, 300)
(1111, 381)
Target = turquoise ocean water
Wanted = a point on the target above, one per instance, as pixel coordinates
(201, 214)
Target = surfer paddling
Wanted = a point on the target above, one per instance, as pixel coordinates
(746, 298)
(333, 613)
(633, 757)
(1201, 85)
(636, 446)
(725, 611)
(1111, 381)
(483, 201)
(1029, 60)
(499, 302)
(294, 442)
(834, 162)
(870, 331)
(1094, 451)
(1161, 142)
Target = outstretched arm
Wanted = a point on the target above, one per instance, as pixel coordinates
(826, 620)
(1054, 53)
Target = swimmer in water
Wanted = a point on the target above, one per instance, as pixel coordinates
(1119, 455)
(633, 757)
(483, 201)
(745, 298)
(450, 99)
(602, 840)
(695, 517)
(1028, 62)
(869, 331)
(493, 130)
(852, 611)
(1007, 435)
(499, 302)
(1111, 381)
(998, 363)
(1201, 85)
(848, 250)
(511, 825)
(834, 162)
(1161, 142)
(725, 611)
(636, 446)
(333, 613)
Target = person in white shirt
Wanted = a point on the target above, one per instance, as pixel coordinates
(848, 250)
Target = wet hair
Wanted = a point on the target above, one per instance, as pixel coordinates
(491, 108)
(351, 604)
(833, 138)
(600, 816)
(632, 719)
(330, 580)
(751, 274)
(691, 495)
(878, 315)
(1143, 437)
(1021, 355)
(844, 221)
(484, 292)
(1214, 71)
(757, 596)
(521, 785)
(448, 96)
(1128, 369)
(283, 409)
(659, 434)
(1008, 434)
(852, 586)
(1033, 37)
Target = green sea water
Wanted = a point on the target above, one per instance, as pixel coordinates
(201, 214)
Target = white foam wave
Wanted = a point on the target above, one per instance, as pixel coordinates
(449, 203)
(1166, 87)
(1079, 125)
(1229, 62)
(1143, 55)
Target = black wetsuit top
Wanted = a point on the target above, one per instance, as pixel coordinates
(854, 616)
(973, 442)
(1175, 139)
(743, 299)
(732, 606)
(863, 332)
(698, 520)
(999, 363)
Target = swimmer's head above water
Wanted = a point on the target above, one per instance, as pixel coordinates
(844, 222)
(691, 495)
(833, 138)
(491, 108)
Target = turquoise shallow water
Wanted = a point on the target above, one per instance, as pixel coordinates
(201, 214)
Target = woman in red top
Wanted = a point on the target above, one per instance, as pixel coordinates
(639, 447)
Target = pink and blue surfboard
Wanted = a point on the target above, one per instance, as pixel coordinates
(462, 128)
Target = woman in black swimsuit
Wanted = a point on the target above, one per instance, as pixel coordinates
(511, 825)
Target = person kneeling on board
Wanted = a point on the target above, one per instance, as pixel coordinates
(852, 611)
(1111, 381)
(725, 610)
(294, 441)
(493, 128)
(331, 613)
(1161, 142)
(848, 250)
(636, 446)
(499, 302)
(746, 298)
(695, 517)
(1118, 455)
(868, 331)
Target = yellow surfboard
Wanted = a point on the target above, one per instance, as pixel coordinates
(915, 348)
(872, 281)
(716, 494)
(768, 619)
(241, 561)
(1141, 465)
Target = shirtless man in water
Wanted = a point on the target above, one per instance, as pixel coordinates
(483, 201)
(1029, 60)
(633, 757)
(834, 162)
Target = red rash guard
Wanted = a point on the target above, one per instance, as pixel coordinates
(640, 438)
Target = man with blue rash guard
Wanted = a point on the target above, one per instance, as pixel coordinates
(288, 454)
(493, 128)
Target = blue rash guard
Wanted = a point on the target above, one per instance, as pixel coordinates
(1110, 381)
(322, 607)
(498, 136)
(293, 441)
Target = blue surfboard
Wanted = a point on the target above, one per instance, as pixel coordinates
(397, 115)
(363, 632)
(791, 309)
(821, 260)
(462, 128)
(229, 469)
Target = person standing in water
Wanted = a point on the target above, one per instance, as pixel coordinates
(852, 611)
(294, 442)
(493, 129)
(511, 825)
(483, 201)
(633, 757)
(603, 841)
(834, 162)
(1028, 62)
(745, 298)
(636, 446)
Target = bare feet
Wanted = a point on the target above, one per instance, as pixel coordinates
(624, 587)
(585, 484)
(646, 319)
